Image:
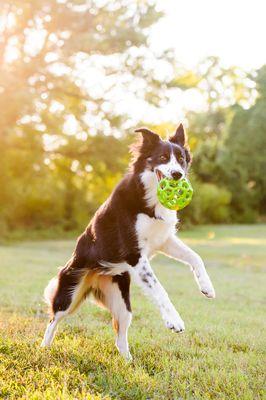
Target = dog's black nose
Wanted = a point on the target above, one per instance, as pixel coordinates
(176, 175)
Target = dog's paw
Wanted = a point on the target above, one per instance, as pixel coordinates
(174, 323)
(128, 357)
(175, 327)
(206, 287)
(44, 344)
(123, 349)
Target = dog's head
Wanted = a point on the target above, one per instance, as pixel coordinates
(165, 158)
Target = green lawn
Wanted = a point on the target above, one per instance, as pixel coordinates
(220, 355)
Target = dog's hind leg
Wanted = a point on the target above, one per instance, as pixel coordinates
(63, 295)
(51, 329)
(114, 295)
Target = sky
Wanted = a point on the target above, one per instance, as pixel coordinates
(235, 30)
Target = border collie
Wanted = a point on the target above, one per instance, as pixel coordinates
(125, 232)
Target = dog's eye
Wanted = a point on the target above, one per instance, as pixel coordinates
(180, 159)
(163, 157)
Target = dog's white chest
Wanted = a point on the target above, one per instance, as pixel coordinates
(153, 232)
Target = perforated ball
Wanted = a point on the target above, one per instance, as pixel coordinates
(174, 194)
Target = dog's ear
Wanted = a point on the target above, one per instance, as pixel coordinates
(149, 137)
(179, 137)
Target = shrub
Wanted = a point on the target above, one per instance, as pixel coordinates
(210, 204)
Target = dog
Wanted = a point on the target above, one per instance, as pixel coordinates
(125, 232)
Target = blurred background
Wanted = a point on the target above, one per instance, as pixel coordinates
(77, 77)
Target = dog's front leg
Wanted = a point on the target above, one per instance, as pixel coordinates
(146, 279)
(176, 249)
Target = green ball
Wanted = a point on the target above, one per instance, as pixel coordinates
(174, 194)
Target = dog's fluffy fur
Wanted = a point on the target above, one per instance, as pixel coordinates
(124, 233)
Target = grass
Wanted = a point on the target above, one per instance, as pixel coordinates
(220, 356)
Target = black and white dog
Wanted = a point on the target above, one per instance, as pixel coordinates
(129, 228)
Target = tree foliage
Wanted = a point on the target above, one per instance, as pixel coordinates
(68, 69)
(48, 171)
(245, 156)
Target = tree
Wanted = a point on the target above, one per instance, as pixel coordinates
(54, 124)
(245, 156)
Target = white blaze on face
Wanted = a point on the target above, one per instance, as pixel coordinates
(172, 166)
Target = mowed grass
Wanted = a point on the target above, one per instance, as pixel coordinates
(220, 355)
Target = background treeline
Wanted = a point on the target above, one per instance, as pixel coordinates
(64, 142)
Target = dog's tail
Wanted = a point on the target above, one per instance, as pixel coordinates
(49, 293)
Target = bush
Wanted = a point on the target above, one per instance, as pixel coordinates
(210, 204)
